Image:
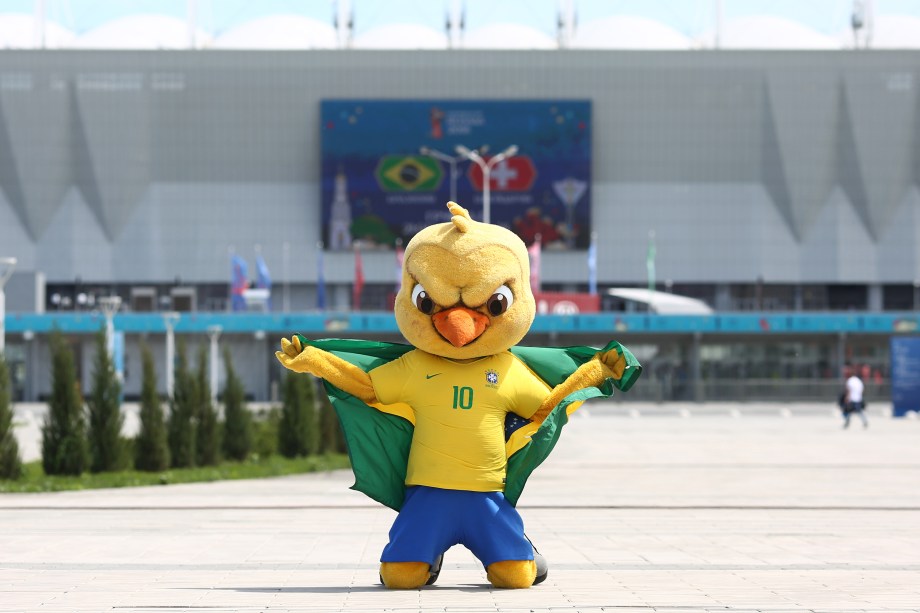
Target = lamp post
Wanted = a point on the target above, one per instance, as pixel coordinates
(6, 271)
(214, 334)
(110, 306)
(451, 162)
(170, 320)
(486, 166)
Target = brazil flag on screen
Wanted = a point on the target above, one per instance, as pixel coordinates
(408, 173)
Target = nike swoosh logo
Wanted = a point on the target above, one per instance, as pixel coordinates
(434, 375)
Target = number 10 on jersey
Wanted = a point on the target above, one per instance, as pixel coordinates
(463, 398)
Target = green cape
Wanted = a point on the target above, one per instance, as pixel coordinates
(378, 443)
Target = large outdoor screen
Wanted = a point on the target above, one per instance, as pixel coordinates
(390, 166)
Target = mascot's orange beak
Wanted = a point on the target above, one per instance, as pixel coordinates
(460, 325)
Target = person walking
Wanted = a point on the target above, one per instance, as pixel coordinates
(853, 400)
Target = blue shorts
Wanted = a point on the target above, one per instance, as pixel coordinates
(433, 520)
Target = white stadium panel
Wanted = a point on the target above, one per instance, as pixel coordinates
(401, 36)
(17, 31)
(508, 36)
(627, 32)
(141, 32)
(769, 32)
(278, 32)
(896, 32)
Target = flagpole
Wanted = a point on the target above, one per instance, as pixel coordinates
(399, 262)
(535, 255)
(650, 268)
(286, 253)
(320, 278)
(358, 286)
(592, 265)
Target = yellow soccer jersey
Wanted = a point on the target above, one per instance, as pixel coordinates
(460, 409)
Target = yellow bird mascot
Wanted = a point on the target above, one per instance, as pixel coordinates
(447, 430)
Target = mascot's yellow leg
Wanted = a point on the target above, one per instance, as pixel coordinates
(404, 575)
(512, 574)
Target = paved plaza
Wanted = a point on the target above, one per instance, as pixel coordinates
(641, 508)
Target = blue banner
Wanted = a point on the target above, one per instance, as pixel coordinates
(390, 166)
(905, 374)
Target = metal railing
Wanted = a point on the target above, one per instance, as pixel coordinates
(749, 390)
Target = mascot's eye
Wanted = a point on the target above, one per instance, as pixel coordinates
(500, 301)
(421, 300)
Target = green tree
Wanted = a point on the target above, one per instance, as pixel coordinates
(237, 420)
(207, 429)
(10, 461)
(151, 448)
(64, 450)
(105, 418)
(181, 423)
(298, 434)
(332, 440)
(265, 432)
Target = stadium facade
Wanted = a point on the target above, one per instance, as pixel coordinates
(773, 181)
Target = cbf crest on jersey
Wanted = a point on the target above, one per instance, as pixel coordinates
(491, 378)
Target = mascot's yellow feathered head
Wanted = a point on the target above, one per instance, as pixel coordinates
(465, 289)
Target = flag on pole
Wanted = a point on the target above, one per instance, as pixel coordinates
(358, 286)
(239, 283)
(264, 279)
(400, 254)
(592, 265)
(320, 278)
(534, 252)
(650, 260)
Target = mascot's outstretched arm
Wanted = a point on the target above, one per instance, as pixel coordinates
(322, 364)
(608, 365)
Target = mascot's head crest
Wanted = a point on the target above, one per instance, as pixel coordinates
(461, 217)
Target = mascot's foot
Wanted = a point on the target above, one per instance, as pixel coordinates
(512, 574)
(404, 575)
(542, 567)
(539, 560)
(435, 570)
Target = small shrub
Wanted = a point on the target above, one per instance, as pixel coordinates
(151, 449)
(10, 460)
(298, 431)
(332, 440)
(208, 429)
(265, 426)
(237, 420)
(64, 450)
(105, 418)
(181, 424)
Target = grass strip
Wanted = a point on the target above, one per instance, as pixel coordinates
(34, 478)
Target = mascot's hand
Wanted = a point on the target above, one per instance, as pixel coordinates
(593, 373)
(298, 358)
(614, 362)
(314, 361)
(292, 348)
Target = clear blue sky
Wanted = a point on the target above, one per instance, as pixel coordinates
(692, 17)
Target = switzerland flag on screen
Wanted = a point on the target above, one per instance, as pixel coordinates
(515, 174)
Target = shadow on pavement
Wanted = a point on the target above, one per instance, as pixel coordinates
(349, 589)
